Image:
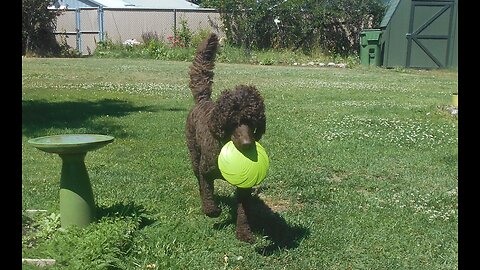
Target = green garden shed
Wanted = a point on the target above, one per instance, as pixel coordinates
(420, 34)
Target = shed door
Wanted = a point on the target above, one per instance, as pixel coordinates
(429, 34)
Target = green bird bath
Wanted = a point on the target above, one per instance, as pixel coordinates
(77, 204)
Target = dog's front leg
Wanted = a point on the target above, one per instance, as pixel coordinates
(244, 232)
(206, 186)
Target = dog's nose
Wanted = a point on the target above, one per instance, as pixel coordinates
(243, 145)
(246, 143)
(242, 138)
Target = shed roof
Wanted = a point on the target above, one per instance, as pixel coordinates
(392, 6)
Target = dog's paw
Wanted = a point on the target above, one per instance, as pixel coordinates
(212, 212)
(245, 236)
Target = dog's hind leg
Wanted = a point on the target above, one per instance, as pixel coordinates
(206, 186)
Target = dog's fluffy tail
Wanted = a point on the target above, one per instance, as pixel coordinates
(201, 70)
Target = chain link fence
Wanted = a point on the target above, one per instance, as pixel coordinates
(83, 28)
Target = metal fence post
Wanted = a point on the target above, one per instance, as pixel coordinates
(79, 34)
(174, 24)
(101, 35)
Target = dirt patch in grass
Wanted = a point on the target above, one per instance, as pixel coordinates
(280, 205)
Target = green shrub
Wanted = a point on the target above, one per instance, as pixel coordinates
(199, 37)
(297, 24)
(102, 245)
(184, 36)
(182, 48)
(147, 37)
(38, 24)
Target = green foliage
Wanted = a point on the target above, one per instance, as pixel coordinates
(150, 36)
(38, 24)
(333, 26)
(184, 35)
(158, 50)
(99, 246)
(198, 37)
(66, 50)
(181, 47)
(172, 48)
(107, 44)
(38, 228)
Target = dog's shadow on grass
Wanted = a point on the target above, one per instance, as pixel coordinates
(266, 223)
(125, 210)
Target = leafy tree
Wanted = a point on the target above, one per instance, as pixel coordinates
(331, 25)
(38, 24)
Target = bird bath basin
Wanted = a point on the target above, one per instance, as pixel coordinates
(77, 204)
(70, 143)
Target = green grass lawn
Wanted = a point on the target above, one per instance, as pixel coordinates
(363, 168)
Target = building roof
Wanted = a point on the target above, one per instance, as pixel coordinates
(168, 4)
(111, 3)
(160, 4)
(392, 6)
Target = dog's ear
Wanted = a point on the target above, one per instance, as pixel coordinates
(254, 108)
(220, 117)
(260, 128)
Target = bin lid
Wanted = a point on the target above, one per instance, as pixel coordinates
(371, 34)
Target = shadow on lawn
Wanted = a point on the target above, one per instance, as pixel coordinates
(265, 221)
(125, 210)
(38, 115)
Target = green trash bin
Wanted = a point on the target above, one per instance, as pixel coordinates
(370, 54)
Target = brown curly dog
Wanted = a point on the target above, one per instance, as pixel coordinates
(237, 115)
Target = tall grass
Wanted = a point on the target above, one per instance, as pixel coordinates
(363, 168)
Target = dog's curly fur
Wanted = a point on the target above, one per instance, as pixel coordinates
(211, 124)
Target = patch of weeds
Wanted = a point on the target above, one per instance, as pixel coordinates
(101, 245)
(38, 227)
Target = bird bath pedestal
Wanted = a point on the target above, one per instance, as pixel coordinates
(77, 204)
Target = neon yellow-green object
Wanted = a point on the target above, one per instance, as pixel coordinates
(246, 169)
